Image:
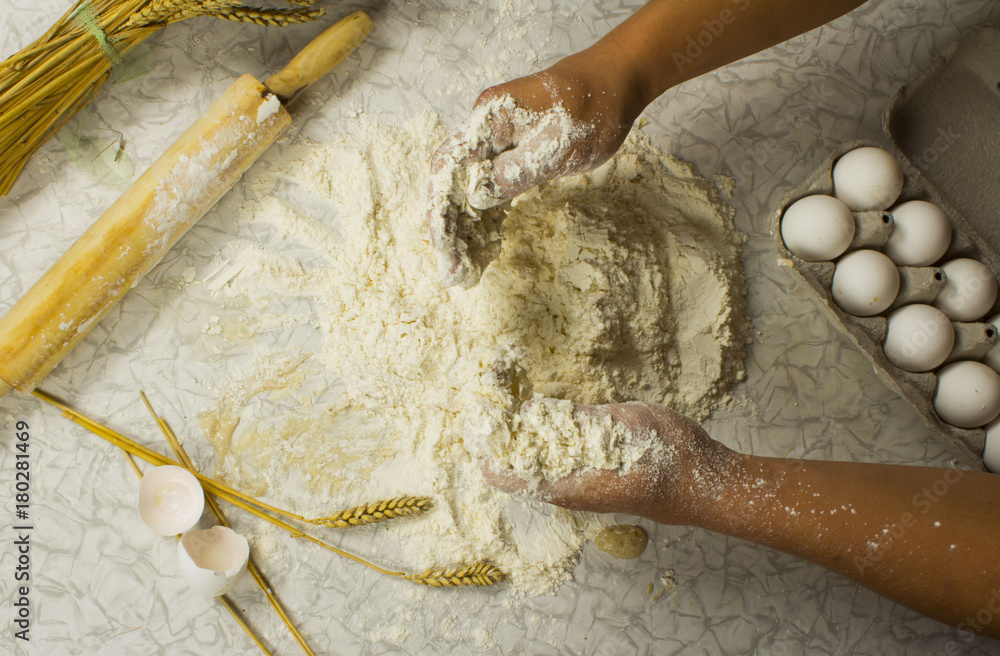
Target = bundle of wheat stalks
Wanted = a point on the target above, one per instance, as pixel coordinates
(47, 83)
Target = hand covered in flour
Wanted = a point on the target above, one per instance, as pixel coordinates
(567, 119)
(924, 537)
(679, 479)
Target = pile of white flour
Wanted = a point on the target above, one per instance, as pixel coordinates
(623, 284)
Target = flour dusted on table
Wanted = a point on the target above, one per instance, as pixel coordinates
(622, 284)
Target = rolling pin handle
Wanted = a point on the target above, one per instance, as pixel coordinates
(318, 58)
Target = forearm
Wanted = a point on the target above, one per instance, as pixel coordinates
(926, 538)
(668, 42)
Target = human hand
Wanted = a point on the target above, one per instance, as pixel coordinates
(685, 477)
(567, 119)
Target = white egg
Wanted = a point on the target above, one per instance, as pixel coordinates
(867, 179)
(865, 283)
(170, 500)
(991, 456)
(920, 236)
(919, 338)
(817, 228)
(970, 289)
(992, 357)
(968, 394)
(212, 561)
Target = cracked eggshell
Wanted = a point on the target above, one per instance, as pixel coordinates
(170, 500)
(212, 561)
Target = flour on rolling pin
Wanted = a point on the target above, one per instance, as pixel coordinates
(251, 116)
(268, 108)
(134, 234)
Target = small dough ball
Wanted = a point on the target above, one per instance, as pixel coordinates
(867, 179)
(970, 289)
(919, 338)
(865, 283)
(920, 236)
(968, 394)
(622, 541)
(817, 228)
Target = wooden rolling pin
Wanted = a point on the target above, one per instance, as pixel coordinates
(137, 231)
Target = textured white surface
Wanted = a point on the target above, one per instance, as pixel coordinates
(104, 584)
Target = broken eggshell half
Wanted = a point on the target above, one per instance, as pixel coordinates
(213, 560)
(170, 500)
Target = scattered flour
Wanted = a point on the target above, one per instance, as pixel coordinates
(622, 284)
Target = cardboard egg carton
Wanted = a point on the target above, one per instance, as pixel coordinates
(943, 128)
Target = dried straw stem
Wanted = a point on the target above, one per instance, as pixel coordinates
(218, 489)
(164, 12)
(44, 85)
(149, 455)
(156, 12)
(231, 607)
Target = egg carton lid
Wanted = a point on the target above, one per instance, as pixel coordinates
(945, 124)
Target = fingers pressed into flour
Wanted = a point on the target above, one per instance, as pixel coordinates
(502, 479)
(546, 145)
(582, 490)
(487, 132)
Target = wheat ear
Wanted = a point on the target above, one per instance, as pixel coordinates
(207, 8)
(478, 574)
(376, 512)
(269, 17)
(157, 12)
